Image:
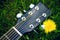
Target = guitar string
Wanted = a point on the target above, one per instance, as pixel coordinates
(4, 38)
(12, 34)
(5, 35)
(15, 34)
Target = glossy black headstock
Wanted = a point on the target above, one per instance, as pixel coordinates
(32, 18)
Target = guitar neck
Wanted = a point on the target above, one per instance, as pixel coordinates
(12, 34)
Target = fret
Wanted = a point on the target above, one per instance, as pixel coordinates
(10, 35)
(10, 32)
(4, 37)
(14, 36)
(7, 37)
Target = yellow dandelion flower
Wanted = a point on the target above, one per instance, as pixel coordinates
(49, 25)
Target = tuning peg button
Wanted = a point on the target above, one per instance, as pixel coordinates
(31, 5)
(44, 14)
(30, 13)
(37, 8)
(42, 26)
(31, 26)
(23, 18)
(19, 15)
(38, 20)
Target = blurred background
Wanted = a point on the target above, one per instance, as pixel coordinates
(10, 8)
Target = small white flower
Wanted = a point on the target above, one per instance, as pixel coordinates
(24, 10)
(42, 26)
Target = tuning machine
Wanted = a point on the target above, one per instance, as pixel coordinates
(19, 15)
(31, 5)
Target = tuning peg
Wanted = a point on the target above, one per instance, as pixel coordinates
(35, 31)
(24, 11)
(19, 15)
(31, 5)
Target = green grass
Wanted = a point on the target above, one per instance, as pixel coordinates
(9, 9)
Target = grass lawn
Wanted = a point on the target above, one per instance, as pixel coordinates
(9, 9)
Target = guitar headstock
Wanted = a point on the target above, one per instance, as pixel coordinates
(32, 18)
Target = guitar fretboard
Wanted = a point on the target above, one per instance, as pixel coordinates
(10, 35)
